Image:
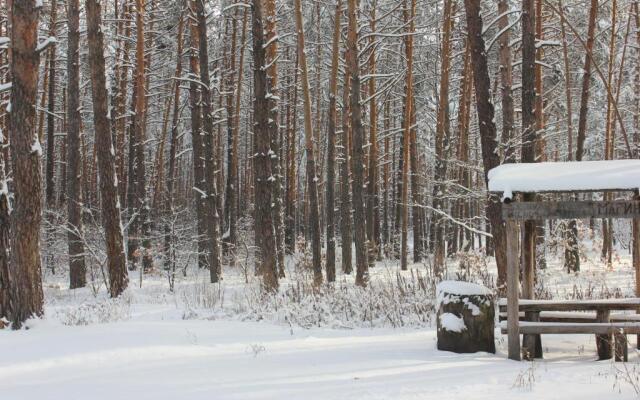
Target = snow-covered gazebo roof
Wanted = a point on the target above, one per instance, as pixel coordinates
(585, 176)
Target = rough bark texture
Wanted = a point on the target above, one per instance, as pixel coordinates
(362, 266)
(331, 147)
(25, 284)
(264, 230)
(213, 245)
(77, 268)
(116, 259)
(485, 112)
(196, 137)
(312, 179)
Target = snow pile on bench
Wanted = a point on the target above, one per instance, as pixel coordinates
(459, 288)
(565, 176)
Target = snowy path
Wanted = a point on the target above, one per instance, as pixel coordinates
(176, 359)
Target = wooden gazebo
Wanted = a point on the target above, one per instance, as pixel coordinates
(509, 180)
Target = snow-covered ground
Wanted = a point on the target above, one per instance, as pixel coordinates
(199, 344)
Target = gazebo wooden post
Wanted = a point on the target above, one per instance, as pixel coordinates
(635, 242)
(512, 289)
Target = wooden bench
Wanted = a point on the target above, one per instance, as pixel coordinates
(576, 317)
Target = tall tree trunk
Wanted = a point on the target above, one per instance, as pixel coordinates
(312, 179)
(362, 267)
(197, 143)
(586, 81)
(169, 239)
(266, 258)
(487, 127)
(442, 139)
(409, 17)
(274, 129)
(77, 268)
(209, 151)
(116, 259)
(346, 230)
(373, 220)
(25, 282)
(331, 146)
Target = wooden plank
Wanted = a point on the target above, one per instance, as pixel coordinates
(621, 348)
(578, 305)
(579, 328)
(574, 317)
(571, 209)
(513, 322)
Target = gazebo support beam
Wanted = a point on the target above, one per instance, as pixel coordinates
(512, 289)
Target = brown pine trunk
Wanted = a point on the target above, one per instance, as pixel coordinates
(169, 239)
(197, 143)
(312, 179)
(51, 108)
(586, 81)
(229, 239)
(442, 139)
(346, 230)
(331, 147)
(77, 268)
(408, 108)
(210, 163)
(266, 258)
(25, 282)
(116, 260)
(487, 128)
(506, 80)
(274, 129)
(373, 220)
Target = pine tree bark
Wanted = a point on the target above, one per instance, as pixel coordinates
(359, 217)
(487, 127)
(75, 232)
(331, 147)
(210, 163)
(312, 179)
(197, 142)
(346, 230)
(373, 220)
(266, 258)
(25, 282)
(116, 259)
(406, 144)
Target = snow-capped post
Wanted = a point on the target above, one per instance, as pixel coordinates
(465, 317)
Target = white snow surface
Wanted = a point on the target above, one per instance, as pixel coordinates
(463, 288)
(565, 176)
(452, 323)
(154, 345)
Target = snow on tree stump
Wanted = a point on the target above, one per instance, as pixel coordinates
(465, 317)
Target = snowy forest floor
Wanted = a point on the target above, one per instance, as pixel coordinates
(226, 341)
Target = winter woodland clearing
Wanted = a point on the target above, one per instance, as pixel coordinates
(306, 199)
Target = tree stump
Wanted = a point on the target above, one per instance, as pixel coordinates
(465, 317)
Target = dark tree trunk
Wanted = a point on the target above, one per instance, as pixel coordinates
(485, 112)
(331, 147)
(25, 281)
(209, 152)
(362, 266)
(77, 268)
(198, 149)
(116, 260)
(264, 229)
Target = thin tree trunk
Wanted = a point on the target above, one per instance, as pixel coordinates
(331, 146)
(373, 220)
(409, 17)
(77, 268)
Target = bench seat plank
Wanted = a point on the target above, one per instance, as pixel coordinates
(575, 305)
(574, 328)
(567, 316)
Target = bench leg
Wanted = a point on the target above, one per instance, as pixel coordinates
(603, 342)
(622, 352)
